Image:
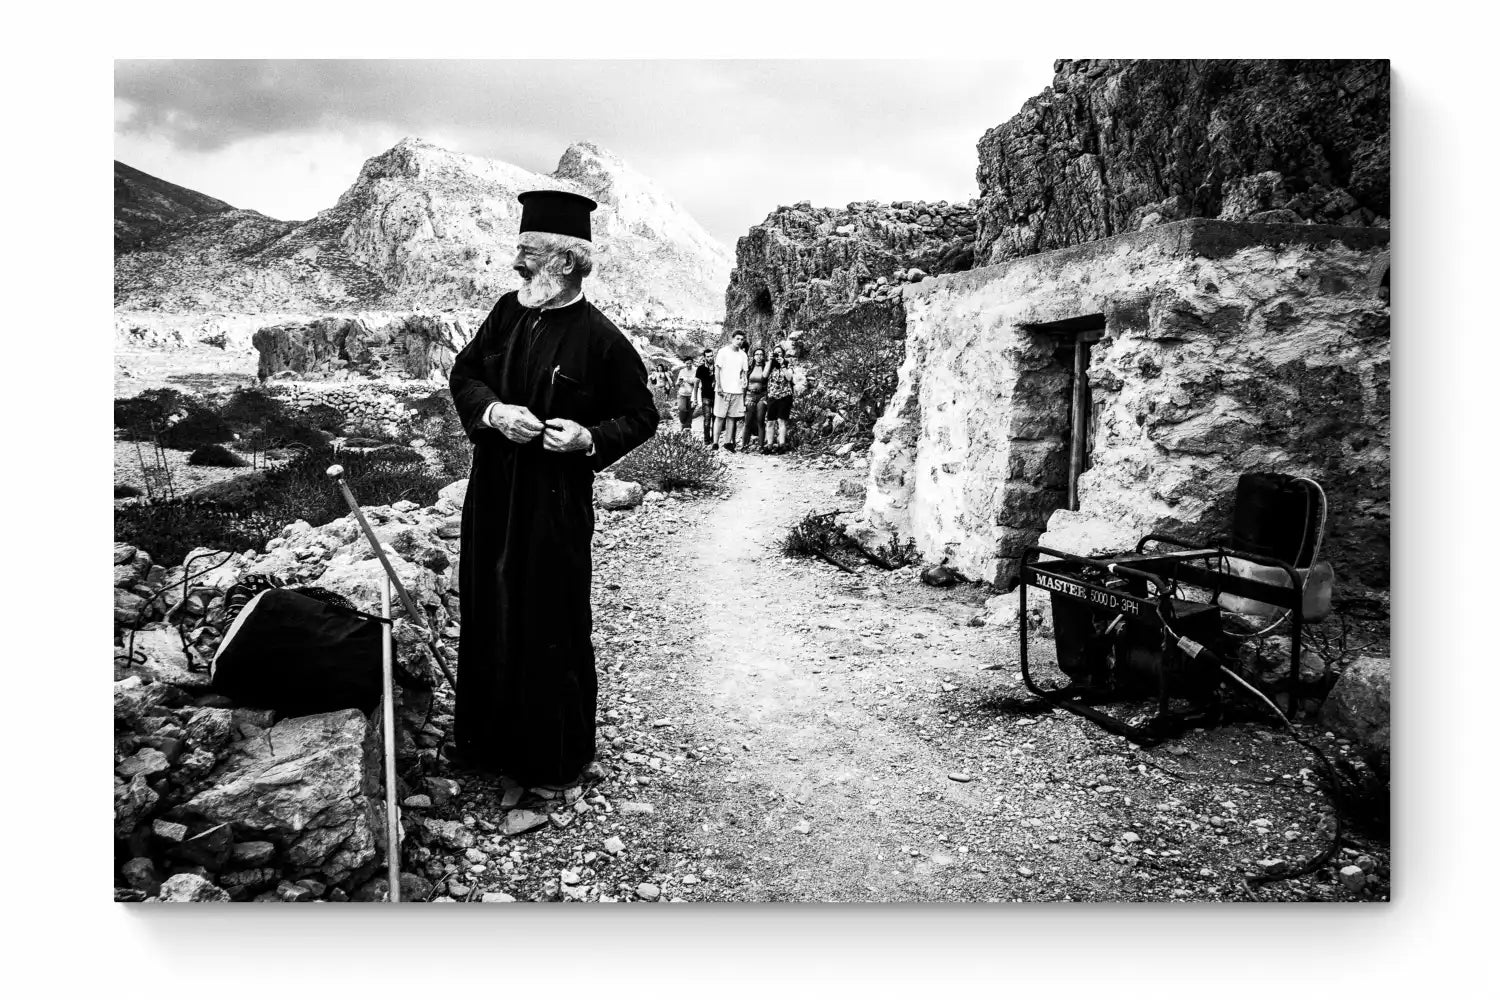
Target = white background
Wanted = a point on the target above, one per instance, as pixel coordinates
(67, 939)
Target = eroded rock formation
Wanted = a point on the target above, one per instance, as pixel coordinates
(803, 263)
(420, 345)
(1114, 146)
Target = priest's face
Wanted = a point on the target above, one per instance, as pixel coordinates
(541, 271)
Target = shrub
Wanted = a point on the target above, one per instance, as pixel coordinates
(248, 511)
(672, 462)
(455, 457)
(854, 359)
(141, 417)
(171, 419)
(325, 417)
(399, 454)
(170, 529)
(816, 536)
(301, 488)
(217, 456)
(264, 422)
(199, 427)
(435, 420)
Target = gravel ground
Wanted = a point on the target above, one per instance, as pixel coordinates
(776, 730)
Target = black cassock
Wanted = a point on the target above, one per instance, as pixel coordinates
(526, 684)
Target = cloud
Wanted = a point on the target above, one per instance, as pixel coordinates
(725, 138)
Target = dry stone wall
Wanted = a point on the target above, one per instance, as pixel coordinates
(1227, 348)
(1115, 146)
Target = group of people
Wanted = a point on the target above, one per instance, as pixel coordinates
(751, 393)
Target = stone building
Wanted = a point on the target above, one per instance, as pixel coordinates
(1206, 349)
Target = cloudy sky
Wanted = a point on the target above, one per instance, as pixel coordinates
(729, 140)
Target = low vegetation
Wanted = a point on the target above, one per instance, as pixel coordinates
(817, 536)
(671, 461)
(249, 509)
(217, 456)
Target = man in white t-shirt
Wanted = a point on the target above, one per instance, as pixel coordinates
(731, 369)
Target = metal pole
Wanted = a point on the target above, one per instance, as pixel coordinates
(1080, 421)
(336, 473)
(388, 701)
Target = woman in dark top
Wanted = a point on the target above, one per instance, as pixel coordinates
(755, 399)
(779, 392)
(706, 393)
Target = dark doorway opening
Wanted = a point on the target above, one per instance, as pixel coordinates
(1073, 341)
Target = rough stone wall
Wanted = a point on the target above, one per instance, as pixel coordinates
(1114, 146)
(1227, 349)
(368, 405)
(803, 263)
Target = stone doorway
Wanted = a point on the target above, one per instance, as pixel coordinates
(1063, 402)
(1072, 357)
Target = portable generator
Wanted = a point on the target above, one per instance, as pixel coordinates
(1149, 623)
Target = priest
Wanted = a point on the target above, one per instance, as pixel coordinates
(550, 392)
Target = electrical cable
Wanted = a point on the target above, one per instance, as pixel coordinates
(1332, 782)
(1198, 651)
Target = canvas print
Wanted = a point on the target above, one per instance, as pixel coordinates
(525, 517)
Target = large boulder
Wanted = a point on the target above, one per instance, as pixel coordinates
(617, 494)
(308, 785)
(190, 888)
(1004, 611)
(134, 801)
(451, 497)
(1359, 706)
(158, 655)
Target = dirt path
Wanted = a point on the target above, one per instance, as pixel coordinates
(777, 730)
(794, 667)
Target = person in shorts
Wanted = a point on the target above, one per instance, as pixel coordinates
(731, 367)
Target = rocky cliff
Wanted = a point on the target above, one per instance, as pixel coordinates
(145, 205)
(803, 264)
(425, 228)
(1114, 146)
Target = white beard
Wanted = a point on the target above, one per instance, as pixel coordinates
(541, 289)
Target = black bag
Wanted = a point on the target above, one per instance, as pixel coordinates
(300, 656)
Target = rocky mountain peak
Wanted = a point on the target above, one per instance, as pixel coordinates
(593, 169)
(423, 227)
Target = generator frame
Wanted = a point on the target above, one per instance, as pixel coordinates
(1162, 571)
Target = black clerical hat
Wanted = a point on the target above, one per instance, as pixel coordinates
(561, 212)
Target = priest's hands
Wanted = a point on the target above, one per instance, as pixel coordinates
(565, 435)
(515, 422)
